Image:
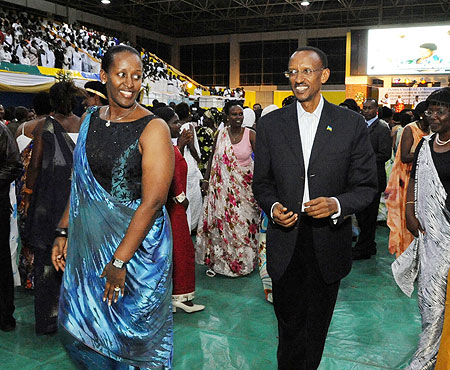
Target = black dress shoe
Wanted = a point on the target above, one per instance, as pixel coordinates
(361, 256)
(8, 324)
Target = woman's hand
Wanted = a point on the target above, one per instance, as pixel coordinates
(413, 224)
(26, 200)
(115, 283)
(59, 253)
(204, 186)
(184, 139)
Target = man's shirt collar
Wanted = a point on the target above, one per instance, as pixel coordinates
(372, 120)
(317, 112)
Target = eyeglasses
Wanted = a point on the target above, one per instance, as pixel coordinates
(305, 72)
(438, 113)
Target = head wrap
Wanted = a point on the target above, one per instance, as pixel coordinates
(268, 109)
(440, 97)
(208, 114)
(249, 118)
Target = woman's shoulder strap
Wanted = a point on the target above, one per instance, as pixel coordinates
(151, 117)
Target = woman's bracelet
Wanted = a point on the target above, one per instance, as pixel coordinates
(410, 202)
(62, 232)
(204, 180)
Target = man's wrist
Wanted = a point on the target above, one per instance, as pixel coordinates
(271, 209)
(337, 214)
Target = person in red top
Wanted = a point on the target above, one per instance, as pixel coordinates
(183, 249)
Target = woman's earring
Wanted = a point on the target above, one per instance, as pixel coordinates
(103, 82)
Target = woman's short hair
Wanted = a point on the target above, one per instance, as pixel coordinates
(41, 104)
(182, 110)
(166, 113)
(63, 97)
(108, 58)
(405, 119)
(230, 104)
(420, 109)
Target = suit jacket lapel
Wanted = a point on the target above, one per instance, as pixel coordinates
(322, 133)
(292, 132)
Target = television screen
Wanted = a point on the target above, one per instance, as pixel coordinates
(409, 51)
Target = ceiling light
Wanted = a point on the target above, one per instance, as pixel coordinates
(106, 2)
(305, 3)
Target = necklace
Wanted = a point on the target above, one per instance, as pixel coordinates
(234, 137)
(108, 122)
(439, 142)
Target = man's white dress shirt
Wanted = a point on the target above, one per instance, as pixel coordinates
(307, 124)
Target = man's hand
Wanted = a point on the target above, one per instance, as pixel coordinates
(321, 207)
(282, 217)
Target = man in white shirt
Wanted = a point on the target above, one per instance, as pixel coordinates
(314, 168)
(5, 55)
(76, 60)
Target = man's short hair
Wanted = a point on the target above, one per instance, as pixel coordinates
(322, 56)
(350, 104)
(372, 100)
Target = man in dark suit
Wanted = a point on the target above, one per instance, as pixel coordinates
(381, 141)
(314, 167)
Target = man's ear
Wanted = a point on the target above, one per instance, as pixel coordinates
(325, 75)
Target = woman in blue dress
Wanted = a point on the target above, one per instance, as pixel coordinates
(114, 239)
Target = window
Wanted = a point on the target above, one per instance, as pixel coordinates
(207, 64)
(335, 49)
(160, 49)
(263, 62)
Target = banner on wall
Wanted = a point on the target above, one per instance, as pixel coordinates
(32, 79)
(395, 96)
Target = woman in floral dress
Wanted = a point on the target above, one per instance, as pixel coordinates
(227, 235)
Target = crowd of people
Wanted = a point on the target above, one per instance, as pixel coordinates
(274, 189)
(31, 40)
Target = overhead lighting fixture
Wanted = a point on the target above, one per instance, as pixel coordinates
(305, 3)
(106, 2)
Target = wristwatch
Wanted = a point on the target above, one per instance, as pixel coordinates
(179, 198)
(119, 264)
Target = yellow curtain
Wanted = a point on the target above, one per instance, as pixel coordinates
(27, 89)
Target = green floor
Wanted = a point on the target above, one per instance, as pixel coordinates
(374, 326)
